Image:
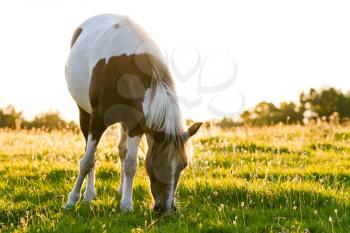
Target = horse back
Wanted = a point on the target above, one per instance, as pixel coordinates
(109, 63)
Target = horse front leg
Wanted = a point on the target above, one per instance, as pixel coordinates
(130, 166)
(122, 148)
(90, 192)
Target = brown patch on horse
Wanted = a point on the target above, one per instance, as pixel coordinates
(117, 90)
(75, 36)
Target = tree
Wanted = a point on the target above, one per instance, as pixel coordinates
(49, 121)
(325, 103)
(262, 114)
(10, 118)
(290, 113)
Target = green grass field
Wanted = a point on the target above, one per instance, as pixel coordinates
(273, 179)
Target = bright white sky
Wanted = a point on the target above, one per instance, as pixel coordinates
(279, 47)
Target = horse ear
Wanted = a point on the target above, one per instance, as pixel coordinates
(192, 130)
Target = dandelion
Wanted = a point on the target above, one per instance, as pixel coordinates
(295, 207)
(234, 222)
(315, 212)
(215, 193)
(306, 230)
(330, 219)
(336, 211)
(136, 230)
(221, 207)
(23, 221)
(242, 204)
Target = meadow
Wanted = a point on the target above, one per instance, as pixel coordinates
(268, 179)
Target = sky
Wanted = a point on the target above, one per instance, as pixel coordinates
(225, 56)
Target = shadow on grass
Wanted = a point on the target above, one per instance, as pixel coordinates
(328, 147)
(252, 148)
(59, 175)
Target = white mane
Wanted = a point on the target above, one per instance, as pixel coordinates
(163, 112)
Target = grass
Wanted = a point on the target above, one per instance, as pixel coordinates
(271, 179)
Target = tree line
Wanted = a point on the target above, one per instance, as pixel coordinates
(329, 105)
(13, 119)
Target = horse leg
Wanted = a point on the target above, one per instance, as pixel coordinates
(84, 120)
(90, 192)
(87, 163)
(122, 148)
(130, 166)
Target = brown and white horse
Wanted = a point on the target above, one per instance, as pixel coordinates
(116, 74)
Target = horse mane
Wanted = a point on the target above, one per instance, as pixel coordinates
(164, 113)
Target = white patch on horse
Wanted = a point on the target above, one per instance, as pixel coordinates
(146, 101)
(90, 192)
(130, 166)
(170, 200)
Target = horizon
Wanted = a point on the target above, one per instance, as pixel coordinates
(296, 102)
(273, 56)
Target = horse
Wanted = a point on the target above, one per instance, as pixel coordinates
(116, 74)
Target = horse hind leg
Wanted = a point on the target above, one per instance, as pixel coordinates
(122, 149)
(84, 120)
(87, 163)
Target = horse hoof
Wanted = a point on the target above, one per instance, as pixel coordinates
(88, 197)
(85, 202)
(69, 205)
(126, 207)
